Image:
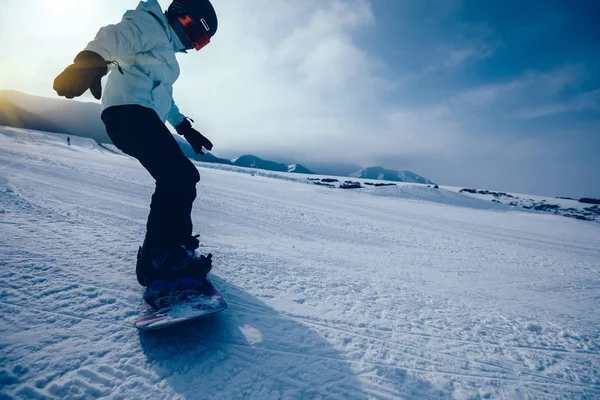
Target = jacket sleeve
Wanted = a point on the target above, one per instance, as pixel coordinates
(175, 117)
(136, 33)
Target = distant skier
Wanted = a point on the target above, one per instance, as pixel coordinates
(68, 141)
(137, 101)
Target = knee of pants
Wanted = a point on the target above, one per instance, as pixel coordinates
(196, 175)
(190, 175)
(187, 194)
(178, 192)
(185, 183)
(181, 181)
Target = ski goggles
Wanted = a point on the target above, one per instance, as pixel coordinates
(195, 32)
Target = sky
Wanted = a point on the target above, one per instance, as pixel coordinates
(491, 94)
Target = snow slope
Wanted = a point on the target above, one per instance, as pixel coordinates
(571, 208)
(332, 293)
(400, 190)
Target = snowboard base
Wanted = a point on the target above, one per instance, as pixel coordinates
(179, 306)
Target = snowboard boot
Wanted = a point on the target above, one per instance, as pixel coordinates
(192, 243)
(178, 267)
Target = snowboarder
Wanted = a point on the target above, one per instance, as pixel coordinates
(68, 141)
(140, 51)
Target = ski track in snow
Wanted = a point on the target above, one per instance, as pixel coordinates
(332, 294)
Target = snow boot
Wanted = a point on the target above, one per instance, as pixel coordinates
(178, 267)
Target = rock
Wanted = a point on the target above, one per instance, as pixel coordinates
(350, 185)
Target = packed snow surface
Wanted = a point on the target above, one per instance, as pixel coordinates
(332, 293)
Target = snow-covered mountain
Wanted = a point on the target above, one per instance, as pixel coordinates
(67, 116)
(299, 169)
(206, 157)
(13, 115)
(251, 161)
(391, 292)
(381, 173)
(332, 168)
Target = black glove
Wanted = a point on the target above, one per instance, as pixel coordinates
(85, 73)
(195, 138)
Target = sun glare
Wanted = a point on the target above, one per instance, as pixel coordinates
(73, 17)
(64, 10)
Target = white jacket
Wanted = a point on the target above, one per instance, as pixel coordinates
(144, 46)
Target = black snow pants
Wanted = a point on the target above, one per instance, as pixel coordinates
(139, 132)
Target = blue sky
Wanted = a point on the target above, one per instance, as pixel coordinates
(499, 39)
(531, 70)
(490, 94)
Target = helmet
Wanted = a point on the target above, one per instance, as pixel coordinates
(200, 11)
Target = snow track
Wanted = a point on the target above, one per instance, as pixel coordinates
(332, 294)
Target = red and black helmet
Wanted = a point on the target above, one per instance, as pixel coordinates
(198, 18)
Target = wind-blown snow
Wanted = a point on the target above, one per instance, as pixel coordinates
(332, 293)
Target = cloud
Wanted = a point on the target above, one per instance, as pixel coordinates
(482, 123)
(581, 102)
(292, 77)
(543, 83)
(39, 38)
(305, 84)
(474, 42)
(297, 79)
(307, 88)
(431, 131)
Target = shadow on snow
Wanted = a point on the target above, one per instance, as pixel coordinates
(252, 351)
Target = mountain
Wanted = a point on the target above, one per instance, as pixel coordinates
(380, 173)
(250, 161)
(299, 169)
(15, 116)
(208, 157)
(330, 168)
(70, 116)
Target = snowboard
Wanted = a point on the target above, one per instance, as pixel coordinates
(165, 309)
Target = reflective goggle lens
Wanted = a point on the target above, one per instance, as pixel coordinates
(194, 32)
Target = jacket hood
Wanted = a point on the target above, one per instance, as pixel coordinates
(152, 6)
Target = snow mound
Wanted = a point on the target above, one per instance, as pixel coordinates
(112, 148)
(51, 140)
(441, 196)
(565, 207)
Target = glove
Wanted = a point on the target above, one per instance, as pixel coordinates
(195, 138)
(85, 73)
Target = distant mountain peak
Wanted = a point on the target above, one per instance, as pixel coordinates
(252, 161)
(380, 173)
(299, 169)
(71, 117)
